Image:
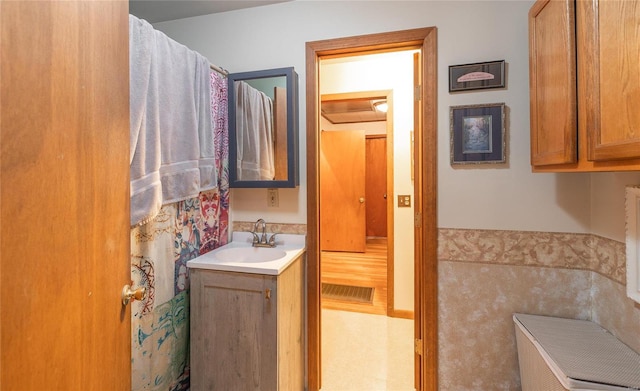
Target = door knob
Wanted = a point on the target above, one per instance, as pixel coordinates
(362, 200)
(129, 294)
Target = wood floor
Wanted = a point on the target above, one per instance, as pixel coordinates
(368, 269)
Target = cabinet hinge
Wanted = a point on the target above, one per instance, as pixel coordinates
(418, 346)
(417, 220)
(417, 93)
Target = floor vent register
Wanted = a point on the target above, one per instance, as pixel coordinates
(357, 294)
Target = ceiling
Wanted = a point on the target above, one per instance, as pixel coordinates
(352, 111)
(154, 11)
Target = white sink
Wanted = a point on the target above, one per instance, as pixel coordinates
(240, 256)
(250, 254)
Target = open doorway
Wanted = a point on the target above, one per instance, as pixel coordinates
(424, 197)
(356, 193)
(365, 345)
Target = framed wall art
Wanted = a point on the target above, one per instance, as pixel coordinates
(478, 134)
(476, 76)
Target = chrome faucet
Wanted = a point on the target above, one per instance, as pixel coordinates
(263, 225)
(261, 240)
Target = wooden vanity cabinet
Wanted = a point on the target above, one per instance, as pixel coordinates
(247, 330)
(584, 85)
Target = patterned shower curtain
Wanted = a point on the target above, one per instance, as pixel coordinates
(160, 250)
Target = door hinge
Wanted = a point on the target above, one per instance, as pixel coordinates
(418, 346)
(417, 93)
(417, 219)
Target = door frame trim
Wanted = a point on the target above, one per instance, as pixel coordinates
(426, 274)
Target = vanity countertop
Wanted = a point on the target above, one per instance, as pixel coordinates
(240, 256)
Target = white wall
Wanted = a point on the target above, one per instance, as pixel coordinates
(607, 210)
(507, 197)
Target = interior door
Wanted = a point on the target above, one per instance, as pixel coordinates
(342, 191)
(376, 186)
(64, 163)
(421, 379)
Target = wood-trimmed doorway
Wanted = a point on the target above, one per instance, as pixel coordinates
(425, 170)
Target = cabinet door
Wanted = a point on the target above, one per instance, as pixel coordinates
(609, 49)
(233, 341)
(552, 67)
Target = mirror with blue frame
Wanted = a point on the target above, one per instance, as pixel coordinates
(263, 129)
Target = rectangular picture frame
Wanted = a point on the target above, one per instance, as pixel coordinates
(478, 134)
(476, 76)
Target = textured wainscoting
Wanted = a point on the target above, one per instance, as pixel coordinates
(524, 248)
(281, 228)
(485, 276)
(615, 312)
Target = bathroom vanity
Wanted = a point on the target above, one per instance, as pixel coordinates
(247, 316)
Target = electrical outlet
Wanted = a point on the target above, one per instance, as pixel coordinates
(272, 198)
(404, 201)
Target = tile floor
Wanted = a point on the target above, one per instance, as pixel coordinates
(364, 352)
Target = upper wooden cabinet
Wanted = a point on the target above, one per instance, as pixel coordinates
(585, 85)
(552, 77)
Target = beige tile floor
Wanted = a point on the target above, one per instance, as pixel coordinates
(363, 352)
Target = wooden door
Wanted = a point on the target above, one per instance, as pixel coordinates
(342, 191)
(552, 68)
(64, 164)
(376, 186)
(422, 373)
(609, 48)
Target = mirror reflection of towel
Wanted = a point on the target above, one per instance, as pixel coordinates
(254, 134)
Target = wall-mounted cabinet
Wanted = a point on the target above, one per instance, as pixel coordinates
(263, 129)
(584, 85)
